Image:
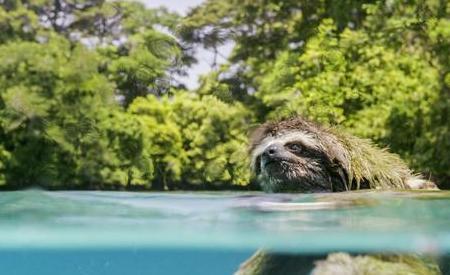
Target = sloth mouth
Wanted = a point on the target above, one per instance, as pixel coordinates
(276, 168)
(266, 162)
(272, 167)
(269, 163)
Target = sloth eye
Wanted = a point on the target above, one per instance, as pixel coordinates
(294, 147)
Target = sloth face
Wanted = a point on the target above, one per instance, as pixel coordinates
(298, 155)
(293, 161)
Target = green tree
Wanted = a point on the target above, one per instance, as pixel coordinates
(88, 96)
(201, 140)
(163, 140)
(378, 68)
(66, 68)
(46, 90)
(260, 30)
(214, 137)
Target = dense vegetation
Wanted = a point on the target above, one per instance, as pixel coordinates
(89, 96)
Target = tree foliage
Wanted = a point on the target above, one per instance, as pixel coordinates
(380, 69)
(89, 96)
(200, 141)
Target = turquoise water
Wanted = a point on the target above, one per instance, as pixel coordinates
(208, 233)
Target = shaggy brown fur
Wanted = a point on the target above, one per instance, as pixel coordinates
(297, 155)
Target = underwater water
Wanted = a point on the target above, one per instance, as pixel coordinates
(208, 233)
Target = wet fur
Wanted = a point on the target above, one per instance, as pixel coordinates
(331, 160)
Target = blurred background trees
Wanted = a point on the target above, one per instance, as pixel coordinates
(378, 68)
(89, 96)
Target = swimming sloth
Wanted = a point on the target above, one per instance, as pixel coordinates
(297, 155)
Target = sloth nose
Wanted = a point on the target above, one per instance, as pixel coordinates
(271, 151)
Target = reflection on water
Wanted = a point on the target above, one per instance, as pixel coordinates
(356, 222)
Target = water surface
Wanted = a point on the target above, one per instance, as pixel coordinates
(206, 227)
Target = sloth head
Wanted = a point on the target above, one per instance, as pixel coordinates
(296, 155)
